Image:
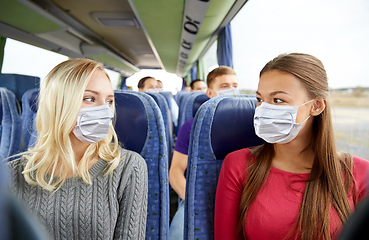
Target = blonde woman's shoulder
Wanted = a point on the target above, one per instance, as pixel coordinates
(131, 166)
(17, 165)
(15, 169)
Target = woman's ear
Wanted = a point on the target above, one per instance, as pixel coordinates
(318, 107)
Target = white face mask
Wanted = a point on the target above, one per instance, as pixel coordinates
(93, 123)
(230, 91)
(153, 90)
(277, 123)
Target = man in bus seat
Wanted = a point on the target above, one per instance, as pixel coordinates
(159, 85)
(220, 81)
(198, 85)
(147, 83)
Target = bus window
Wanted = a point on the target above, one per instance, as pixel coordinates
(25, 59)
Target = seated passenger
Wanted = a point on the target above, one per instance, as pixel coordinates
(77, 179)
(296, 185)
(159, 85)
(187, 89)
(148, 84)
(220, 81)
(198, 85)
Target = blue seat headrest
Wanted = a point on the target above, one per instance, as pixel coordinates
(33, 100)
(168, 96)
(199, 100)
(18, 83)
(234, 117)
(1, 111)
(131, 123)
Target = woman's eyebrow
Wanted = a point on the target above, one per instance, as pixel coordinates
(278, 92)
(87, 90)
(97, 93)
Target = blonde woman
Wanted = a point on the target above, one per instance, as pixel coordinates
(76, 178)
(296, 185)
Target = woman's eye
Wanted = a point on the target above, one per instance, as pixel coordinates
(277, 100)
(110, 102)
(89, 99)
(259, 99)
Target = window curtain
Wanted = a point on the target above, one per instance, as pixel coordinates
(224, 52)
(2, 49)
(194, 72)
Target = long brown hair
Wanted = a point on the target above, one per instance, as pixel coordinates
(330, 180)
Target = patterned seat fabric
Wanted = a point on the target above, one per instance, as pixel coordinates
(222, 125)
(181, 99)
(11, 125)
(173, 108)
(140, 127)
(180, 96)
(29, 106)
(19, 84)
(163, 106)
(190, 105)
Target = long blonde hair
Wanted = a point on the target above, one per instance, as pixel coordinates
(330, 180)
(60, 100)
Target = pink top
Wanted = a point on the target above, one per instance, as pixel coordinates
(275, 209)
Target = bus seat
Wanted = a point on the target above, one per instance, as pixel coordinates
(11, 125)
(18, 83)
(198, 101)
(29, 106)
(4, 216)
(189, 107)
(180, 95)
(163, 106)
(173, 106)
(140, 128)
(16, 222)
(168, 96)
(222, 125)
(181, 100)
(356, 227)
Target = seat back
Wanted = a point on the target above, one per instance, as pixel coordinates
(163, 106)
(11, 125)
(190, 105)
(197, 102)
(222, 125)
(168, 97)
(173, 107)
(19, 84)
(356, 227)
(29, 106)
(140, 128)
(181, 100)
(4, 216)
(180, 95)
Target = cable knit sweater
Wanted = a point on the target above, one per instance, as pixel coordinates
(113, 207)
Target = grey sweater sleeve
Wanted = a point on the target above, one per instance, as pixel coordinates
(132, 196)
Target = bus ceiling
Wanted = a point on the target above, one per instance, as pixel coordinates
(126, 35)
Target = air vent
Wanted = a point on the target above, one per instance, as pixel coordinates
(116, 19)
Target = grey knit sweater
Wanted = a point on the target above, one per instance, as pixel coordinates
(113, 207)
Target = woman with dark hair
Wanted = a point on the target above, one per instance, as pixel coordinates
(296, 185)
